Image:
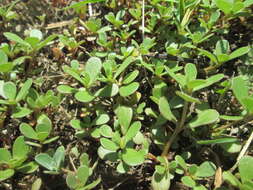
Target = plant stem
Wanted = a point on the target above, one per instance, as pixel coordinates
(178, 129)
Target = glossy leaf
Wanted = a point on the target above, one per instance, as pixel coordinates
(84, 96)
(204, 118)
(187, 97)
(10, 90)
(132, 157)
(128, 89)
(206, 169)
(124, 115)
(164, 108)
(245, 168)
(20, 149)
(5, 174)
(28, 131)
(24, 90)
(108, 144)
(93, 68)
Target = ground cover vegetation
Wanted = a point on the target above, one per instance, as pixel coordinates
(106, 94)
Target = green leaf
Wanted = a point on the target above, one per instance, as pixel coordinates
(108, 144)
(65, 89)
(187, 97)
(81, 4)
(93, 68)
(239, 52)
(6, 67)
(5, 174)
(132, 157)
(92, 185)
(225, 5)
(72, 181)
(59, 156)
(206, 169)
(108, 91)
(20, 150)
(245, 168)
(164, 108)
(188, 181)
(231, 117)
(5, 155)
(27, 168)
(43, 131)
(204, 118)
(209, 81)
(28, 131)
(218, 141)
(190, 72)
(124, 115)
(13, 37)
(36, 34)
(24, 90)
(222, 58)
(128, 89)
(123, 66)
(20, 112)
(222, 47)
(106, 131)
(83, 174)
(46, 41)
(84, 96)
(101, 119)
(37, 184)
(105, 154)
(130, 77)
(10, 90)
(211, 56)
(3, 57)
(133, 130)
(181, 162)
(247, 102)
(229, 177)
(160, 181)
(46, 161)
(240, 89)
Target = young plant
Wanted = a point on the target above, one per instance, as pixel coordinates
(222, 54)
(70, 42)
(7, 14)
(40, 133)
(15, 161)
(7, 66)
(78, 179)
(118, 144)
(54, 163)
(37, 102)
(31, 44)
(12, 98)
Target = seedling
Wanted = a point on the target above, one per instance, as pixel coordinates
(11, 98)
(78, 179)
(54, 163)
(221, 54)
(7, 14)
(41, 132)
(31, 44)
(119, 144)
(15, 161)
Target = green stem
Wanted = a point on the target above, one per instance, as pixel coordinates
(178, 129)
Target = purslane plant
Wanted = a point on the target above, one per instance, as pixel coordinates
(16, 161)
